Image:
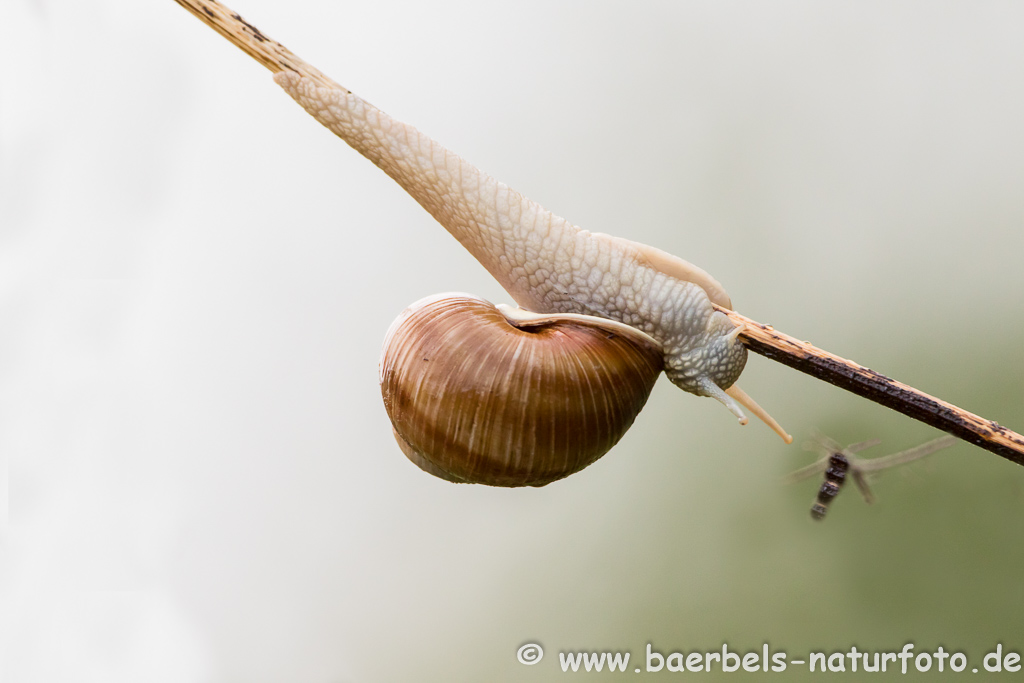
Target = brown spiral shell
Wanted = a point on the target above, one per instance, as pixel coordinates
(476, 397)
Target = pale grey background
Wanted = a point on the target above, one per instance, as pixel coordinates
(195, 279)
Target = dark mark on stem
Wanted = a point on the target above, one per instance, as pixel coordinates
(256, 33)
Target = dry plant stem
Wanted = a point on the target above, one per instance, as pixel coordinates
(252, 41)
(760, 338)
(873, 386)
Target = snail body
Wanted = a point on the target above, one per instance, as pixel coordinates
(547, 264)
(549, 267)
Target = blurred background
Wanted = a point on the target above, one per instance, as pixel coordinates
(195, 280)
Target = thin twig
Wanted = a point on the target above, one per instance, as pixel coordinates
(873, 386)
(252, 41)
(759, 338)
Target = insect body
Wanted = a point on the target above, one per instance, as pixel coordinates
(835, 477)
(838, 463)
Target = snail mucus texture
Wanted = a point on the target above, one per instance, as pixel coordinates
(478, 394)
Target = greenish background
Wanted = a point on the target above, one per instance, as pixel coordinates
(196, 279)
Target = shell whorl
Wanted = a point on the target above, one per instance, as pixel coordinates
(478, 396)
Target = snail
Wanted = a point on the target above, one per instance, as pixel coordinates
(525, 396)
